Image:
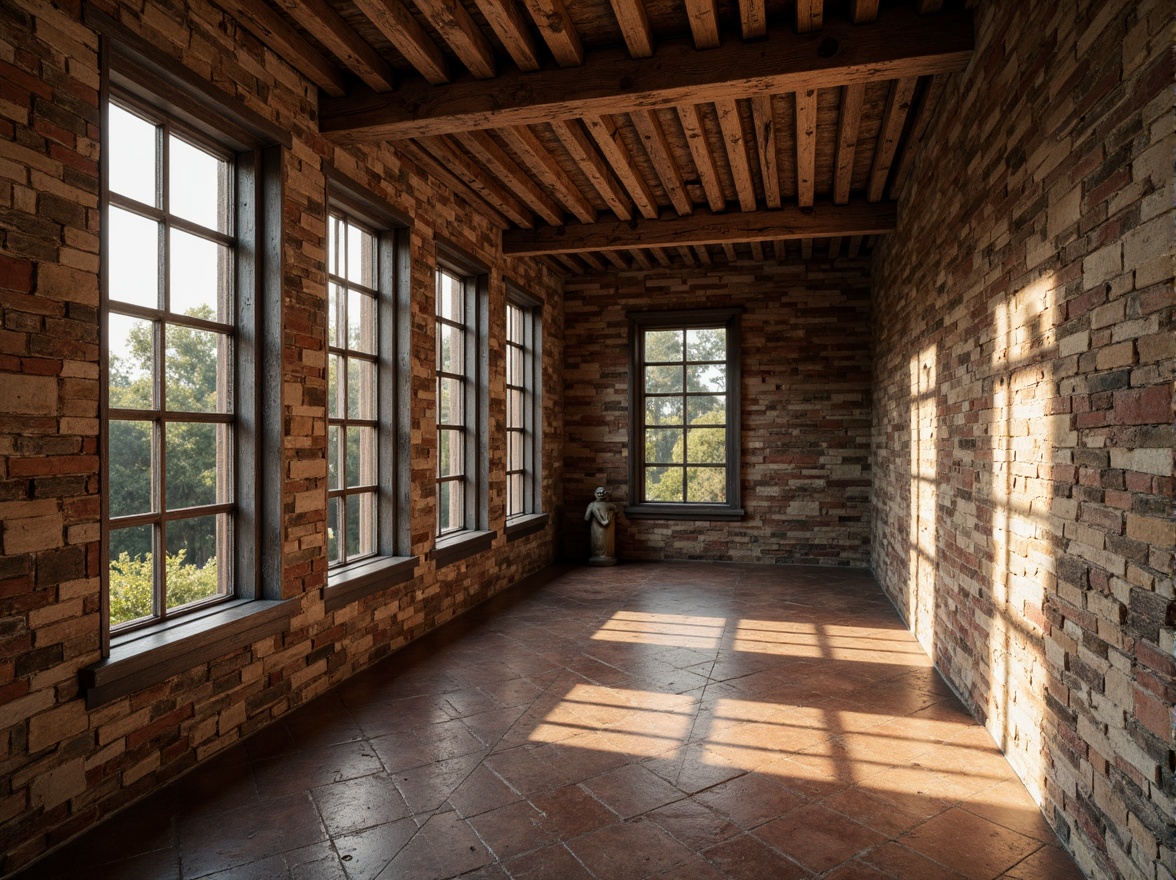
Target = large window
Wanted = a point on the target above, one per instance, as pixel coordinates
(523, 407)
(685, 415)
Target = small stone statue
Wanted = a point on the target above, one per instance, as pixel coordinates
(601, 514)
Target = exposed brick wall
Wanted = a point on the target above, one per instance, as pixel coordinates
(63, 768)
(805, 421)
(1023, 423)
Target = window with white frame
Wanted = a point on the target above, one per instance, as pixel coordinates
(523, 406)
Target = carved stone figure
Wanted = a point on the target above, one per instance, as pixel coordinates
(601, 516)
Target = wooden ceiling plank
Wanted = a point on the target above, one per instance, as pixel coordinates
(482, 147)
(662, 257)
(765, 141)
(926, 103)
(508, 24)
(653, 137)
(835, 247)
(704, 161)
(893, 119)
(456, 27)
(781, 249)
(640, 258)
(863, 11)
(393, 19)
(604, 132)
(575, 141)
(475, 178)
(570, 263)
(704, 23)
(455, 183)
(320, 18)
(900, 44)
(558, 31)
(687, 256)
(822, 220)
(276, 33)
(757, 251)
(543, 165)
(704, 255)
(593, 261)
(616, 259)
(855, 245)
(634, 22)
(852, 100)
(729, 250)
(810, 15)
(732, 125)
(753, 17)
(806, 146)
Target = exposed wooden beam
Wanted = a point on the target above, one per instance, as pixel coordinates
(482, 147)
(863, 11)
(455, 183)
(572, 136)
(704, 23)
(662, 257)
(276, 33)
(617, 260)
(900, 44)
(806, 146)
(569, 263)
(558, 31)
(475, 178)
(640, 258)
(543, 165)
(924, 113)
(653, 137)
(702, 227)
(852, 100)
(897, 105)
(729, 250)
(704, 256)
(806, 248)
(928, 6)
(604, 132)
(757, 251)
(508, 24)
(733, 138)
(457, 28)
(855, 246)
(835, 247)
(593, 262)
(395, 22)
(687, 256)
(810, 15)
(704, 160)
(634, 22)
(320, 18)
(764, 121)
(753, 17)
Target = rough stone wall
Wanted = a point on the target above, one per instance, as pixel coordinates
(1023, 428)
(805, 421)
(62, 768)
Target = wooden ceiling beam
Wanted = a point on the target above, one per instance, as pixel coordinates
(764, 121)
(482, 147)
(558, 31)
(320, 18)
(810, 15)
(640, 258)
(835, 247)
(457, 28)
(543, 165)
(926, 7)
(393, 19)
(729, 250)
(593, 262)
(900, 44)
(687, 256)
(604, 132)
(616, 259)
(704, 255)
(855, 246)
(475, 178)
(852, 100)
(571, 135)
(439, 170)
(806, 146)
(863, 11)
(634, 22)
(276, 33)
(893, 119)
(704, 161)
(753, 18)
(924, 113)
(704, 23)
(509, 26)
(736, 143)
(653, 138)
(702, 227)
(757, 251)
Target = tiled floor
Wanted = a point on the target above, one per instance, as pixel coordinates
(671, 721)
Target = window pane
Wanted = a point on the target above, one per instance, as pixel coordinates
(708, 344)
(361, 525)
(361, 322)
(130, 467)
(706, 485)
(449, 453)
(449, 297)
(663, 410)
(361, 389)
(706, 445)
(133, 243)
(710, 377)
(361, 257)
(708, 409)
(201, 277)
(663, 445)
(334, 529)
(196, 360)
(450, 506)
(514, 451)
(449, 403)
(131, 153)
(198, 464)
(334, 476)
(450, 349)
(514, 324)
(334, 375)
(132, 576)
(663, 380)
(335, 227)
(514, 491)
(514, 408)
(132, 362)
(335, 300)
(663, 484)
(514, 366)
(663, 345)
(361, 456)
(198, 185)
(194, 547)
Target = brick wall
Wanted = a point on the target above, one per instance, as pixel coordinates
(1023, 428)
(63, 768)
(805, 421)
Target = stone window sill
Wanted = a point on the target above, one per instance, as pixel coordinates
(527, 524)
(353, 582)
(685, 512)
(463, 545)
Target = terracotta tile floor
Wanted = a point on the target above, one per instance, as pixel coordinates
(677, 721)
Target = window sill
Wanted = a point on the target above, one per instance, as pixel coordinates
(147, 657)
(527, 524)
(453, 548)
(685, 512)
(354, 582)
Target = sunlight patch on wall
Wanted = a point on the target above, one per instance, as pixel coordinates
(922, 550)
